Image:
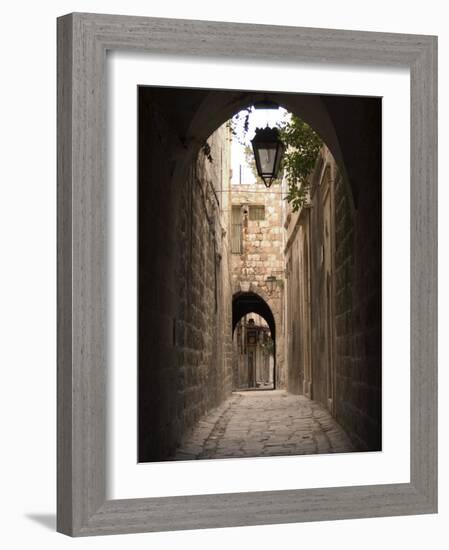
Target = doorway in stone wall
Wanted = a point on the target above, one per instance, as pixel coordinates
(254, 343)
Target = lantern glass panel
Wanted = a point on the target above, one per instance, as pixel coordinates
(267, 157)
(280, 153)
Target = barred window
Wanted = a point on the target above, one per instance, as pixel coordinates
(236, 236)
(256, 212)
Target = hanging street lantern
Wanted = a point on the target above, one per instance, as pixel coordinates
(268, 151)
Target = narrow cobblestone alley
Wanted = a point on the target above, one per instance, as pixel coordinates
(259, 274)
(264, 423)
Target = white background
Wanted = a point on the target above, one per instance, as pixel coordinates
(28, 298)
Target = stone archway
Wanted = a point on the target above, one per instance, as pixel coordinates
(217, 107)
(246, 302)
(174, 124)
(252, 302)
(214, 108)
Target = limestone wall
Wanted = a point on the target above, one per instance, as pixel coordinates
(185, 289)
(333, 296)
(261, 255)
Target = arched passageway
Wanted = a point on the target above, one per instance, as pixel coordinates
(186, 314)
(254, 358)
(250, 302)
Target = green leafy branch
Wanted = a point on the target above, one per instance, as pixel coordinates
(302, 144)
(302, 148)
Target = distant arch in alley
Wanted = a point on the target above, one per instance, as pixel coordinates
(250, 302)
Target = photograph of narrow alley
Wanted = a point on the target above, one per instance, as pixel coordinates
(259, 291)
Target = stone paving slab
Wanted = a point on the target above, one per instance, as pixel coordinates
(264, 423)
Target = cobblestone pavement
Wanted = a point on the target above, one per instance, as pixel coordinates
(264, 423)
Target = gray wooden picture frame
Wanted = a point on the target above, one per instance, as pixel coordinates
(83, 40)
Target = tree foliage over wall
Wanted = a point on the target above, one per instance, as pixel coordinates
(302, 148)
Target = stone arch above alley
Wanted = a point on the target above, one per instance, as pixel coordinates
(188, 296)
(252, 302)
(195, 114)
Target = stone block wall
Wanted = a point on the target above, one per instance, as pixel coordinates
(358, 317)
(262, 256)
(185, 288)
(204, 278)
(297, 307)
(333, 302)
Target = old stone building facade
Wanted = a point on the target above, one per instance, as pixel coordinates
(332, 316)
(258, 257)
(185, 338)
(203, 326)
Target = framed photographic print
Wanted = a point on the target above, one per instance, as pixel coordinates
(246, 274)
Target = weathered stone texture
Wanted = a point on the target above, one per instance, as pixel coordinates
(185, 296)
(261, 423)
(204, 358)
(358, 316)
(262, 256)
(333, 304)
